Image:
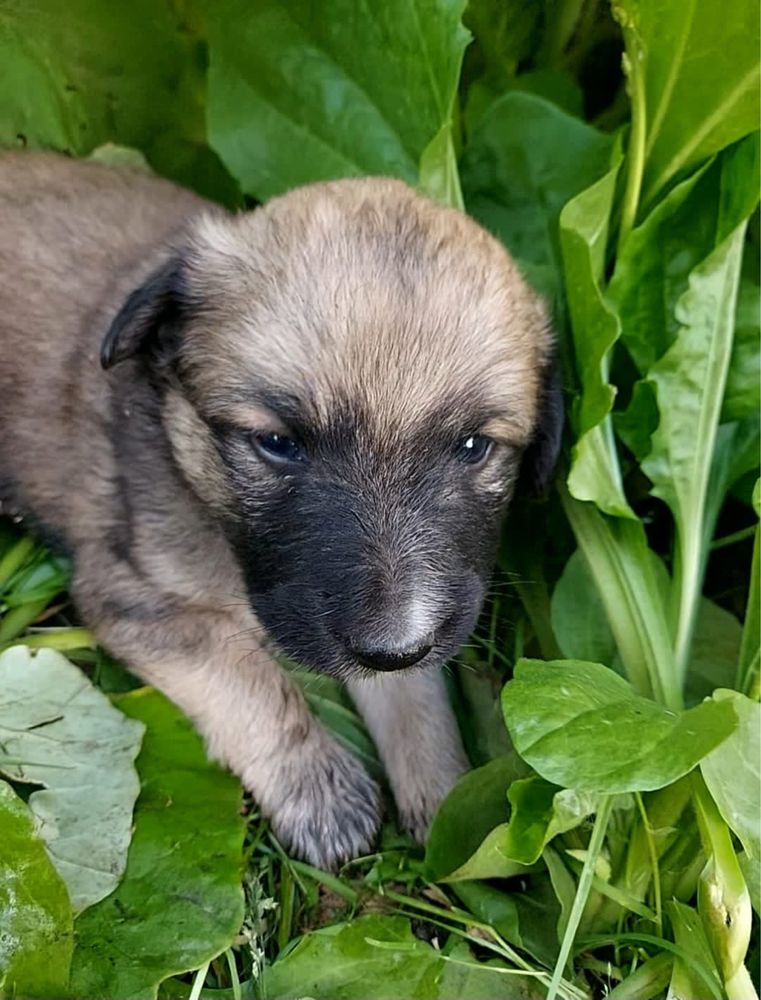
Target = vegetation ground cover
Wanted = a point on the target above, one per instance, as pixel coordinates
(607, 841)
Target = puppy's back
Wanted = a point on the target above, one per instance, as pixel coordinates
(75, 239)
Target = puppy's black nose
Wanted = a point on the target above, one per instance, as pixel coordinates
(388, 659)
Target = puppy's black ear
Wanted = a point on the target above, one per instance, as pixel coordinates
(541, 456)
(150, 317)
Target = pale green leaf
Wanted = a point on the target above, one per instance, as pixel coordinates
(733, 775)
(699, 66)
(439, 178)
(694, 972)
(180, 902)
(654, 264)
(690, 380)
(298, 94)
(68, 735)
(379, 958)
(619, 561)
(595, 474)
(540, 811)
(581, 726)
(36, 924)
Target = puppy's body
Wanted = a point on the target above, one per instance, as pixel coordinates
(359, 314)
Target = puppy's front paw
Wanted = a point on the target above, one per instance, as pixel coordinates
(422, 791)
(329, 808)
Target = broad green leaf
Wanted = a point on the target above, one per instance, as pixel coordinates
(694, 74)
(621, 564)
(732, 773)
(68, 736)
(505, 34)
(654, 264)
(516, 185)
(690, 380)
(468, 815)
(492, 906)
(36, 924)
(489, 860)
(299, 92)
(180, 902)
(527, 916)
(581, 726)
(578, 615)
(715, 648)
(583, 632)
(595, 474)
(125, 73)
(379, 958)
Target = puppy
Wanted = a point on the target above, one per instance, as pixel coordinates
(310, 423)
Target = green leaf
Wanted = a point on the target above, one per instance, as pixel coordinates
(694, 70)
(515, 183)
(578, 615)
(299, 92)
(620, 562)
(379, 958)
(742, 396)
(732, 773)
(654, 264)
(492, 906)
(583, 632)
(468, 815)
(180, 902)
(130, 74)
(694, 972)
(36, 931)
(581, 726)
(595, 473)
(541, 811)
(67, 734)
(439, 178)
(690, 380)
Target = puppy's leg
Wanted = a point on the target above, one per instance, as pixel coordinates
(409, 716)
(322, 804)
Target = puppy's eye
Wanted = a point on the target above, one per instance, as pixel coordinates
(473, 449)
(278, 449)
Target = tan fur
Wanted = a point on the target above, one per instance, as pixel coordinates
(357, 290)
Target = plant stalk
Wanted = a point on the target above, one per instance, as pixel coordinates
(582, 892)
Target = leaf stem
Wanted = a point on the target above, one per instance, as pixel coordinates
(198, 981)
(658, 902)
(634, 66)
(736, 536)
(582, 892)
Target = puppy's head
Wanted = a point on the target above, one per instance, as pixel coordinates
(352, 377)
